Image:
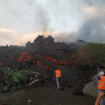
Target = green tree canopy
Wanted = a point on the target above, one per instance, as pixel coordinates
(92, 54)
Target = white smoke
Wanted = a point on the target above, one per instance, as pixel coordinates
(71, 18)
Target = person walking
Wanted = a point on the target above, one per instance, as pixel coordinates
(101, 89)
(58, 77)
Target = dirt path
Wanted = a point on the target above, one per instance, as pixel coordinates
(45, 96)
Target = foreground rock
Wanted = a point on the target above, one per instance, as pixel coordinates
(91, 88)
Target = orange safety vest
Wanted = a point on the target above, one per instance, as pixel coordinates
(101, 83)
(58, 73)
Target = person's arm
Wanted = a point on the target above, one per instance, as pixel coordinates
(95, 76)
(98, 77)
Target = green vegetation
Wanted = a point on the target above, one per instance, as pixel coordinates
(92, 54)
(13, 79)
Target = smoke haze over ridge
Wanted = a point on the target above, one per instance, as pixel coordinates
(66, 20)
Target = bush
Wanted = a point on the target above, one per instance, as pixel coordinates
(92, 54)
(13, 79)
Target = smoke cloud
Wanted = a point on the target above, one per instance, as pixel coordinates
(66, 20)
(93, 30)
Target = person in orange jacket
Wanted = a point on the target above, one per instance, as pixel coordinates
(58, 77)
(101, 88)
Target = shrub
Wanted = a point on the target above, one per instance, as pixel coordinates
(13, 79)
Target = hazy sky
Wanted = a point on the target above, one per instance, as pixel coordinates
(65, 20)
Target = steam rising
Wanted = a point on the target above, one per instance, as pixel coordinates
(67, 20)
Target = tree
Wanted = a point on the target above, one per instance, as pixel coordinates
(92, 54)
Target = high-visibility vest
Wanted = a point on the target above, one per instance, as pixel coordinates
(101, 83)
(58, 73)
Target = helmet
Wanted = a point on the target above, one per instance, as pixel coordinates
(101, 73)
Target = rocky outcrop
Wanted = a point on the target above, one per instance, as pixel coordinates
(91, 88)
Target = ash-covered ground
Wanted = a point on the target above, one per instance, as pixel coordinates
(45, 96)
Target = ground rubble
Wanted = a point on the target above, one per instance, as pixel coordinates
(45, 96)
